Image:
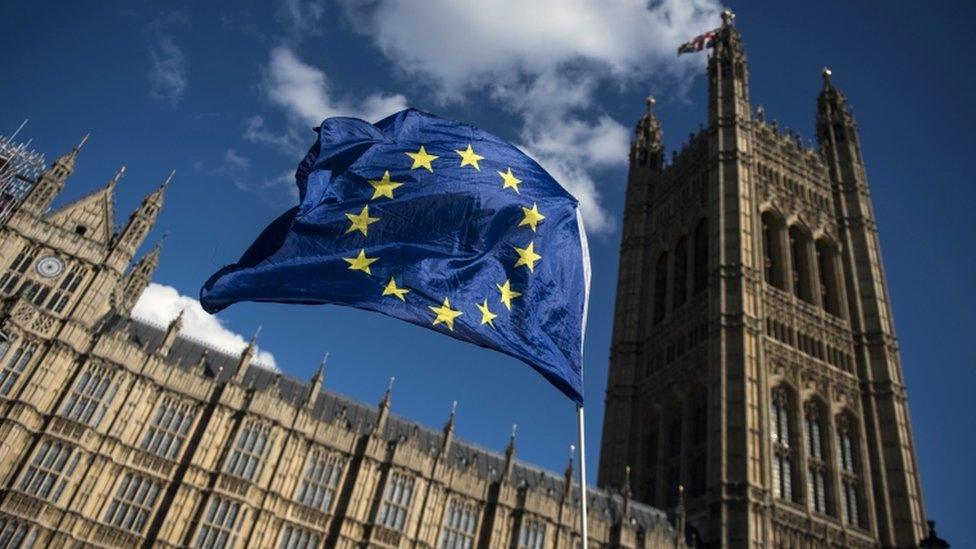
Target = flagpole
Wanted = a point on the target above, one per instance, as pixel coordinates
(582, 445)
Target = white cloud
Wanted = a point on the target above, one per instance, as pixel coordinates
(303, 91)
(544, 60)
(167, 77)
(160, 304)
(235, 161)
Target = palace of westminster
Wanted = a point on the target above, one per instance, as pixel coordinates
(755, 394)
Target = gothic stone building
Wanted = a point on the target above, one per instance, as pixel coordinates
(117, 433)
(754, 357)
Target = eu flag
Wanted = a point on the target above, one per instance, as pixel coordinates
(434, 222)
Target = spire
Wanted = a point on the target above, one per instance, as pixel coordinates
(142, 220)
(246, 355)
(172, 332)
(118, 175)
(625, 491)
(510, 453)
(648, 146)
(449, 430)
(51, 182)
(202, 362)
(136, 281)
(568, 474)
(384, 408)
(315, 385)
(679, 513)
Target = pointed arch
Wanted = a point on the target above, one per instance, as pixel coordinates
(831, 283)
(784, 441)
(849, 468)
(660, 287)
(700, 263)
(774, 250)
(679, 293)
(815, 444)
(800, 263)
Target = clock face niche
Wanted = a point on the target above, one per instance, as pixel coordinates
(49, 266)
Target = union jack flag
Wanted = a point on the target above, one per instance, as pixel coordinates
(698, 43)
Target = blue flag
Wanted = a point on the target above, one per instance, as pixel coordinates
(434, 222)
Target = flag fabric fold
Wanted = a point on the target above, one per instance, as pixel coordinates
(434, 222)
(698, 43)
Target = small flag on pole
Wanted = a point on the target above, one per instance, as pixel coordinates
(434, 222)
(698, 43)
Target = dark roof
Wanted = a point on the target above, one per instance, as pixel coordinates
(186, 352)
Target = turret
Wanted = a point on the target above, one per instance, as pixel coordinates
(51, 182)
(568, 477)
(647, 149)
(728, 77)
(136, 281)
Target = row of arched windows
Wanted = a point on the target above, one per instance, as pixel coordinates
(682, 279)
(793, 262)
(787, 445)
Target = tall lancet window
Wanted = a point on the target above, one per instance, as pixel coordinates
(680, 292)
(773, 252)
(701, 257)
(850, 480)
(784, 455)
(660, 287)
(829, 277)
(800, 264)
(814, 430)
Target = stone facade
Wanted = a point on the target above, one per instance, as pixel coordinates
(117, 433)
(754, 358)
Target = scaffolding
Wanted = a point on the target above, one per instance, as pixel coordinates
(20, 166)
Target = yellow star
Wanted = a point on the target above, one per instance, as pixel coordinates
(508, 294)
(532, 216)
(361, 222)
(509, 181)
(392, 289)
(486, 315)
(360, 262)
(445, 314)
(422, 160)
(527, 256)
(383, 187)
(470, 158)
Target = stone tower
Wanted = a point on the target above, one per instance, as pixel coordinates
(754, 363)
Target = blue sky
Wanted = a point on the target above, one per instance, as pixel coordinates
(226, 95)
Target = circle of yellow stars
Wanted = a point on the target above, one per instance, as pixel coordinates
(385, 186)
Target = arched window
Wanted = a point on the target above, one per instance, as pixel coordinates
(850, 469)
(660, 286)
(784, 455)
(830, 280)
(800, 264)
(680, 292)
(701, 257)
(699, 442)
(814, 431)
(773, 253)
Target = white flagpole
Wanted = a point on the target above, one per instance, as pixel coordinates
(582, 461)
